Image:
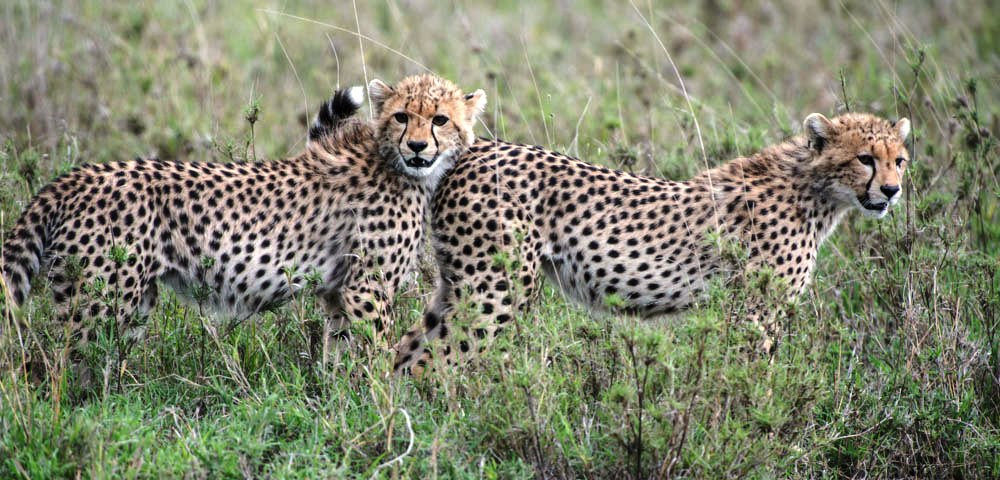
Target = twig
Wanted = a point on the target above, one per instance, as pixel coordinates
(843, 90)
(342, 29)
(576, 137)
(538, 93)
(865, 432)
(305, 97)
(409, 448)
(364, 66)
(336, 57)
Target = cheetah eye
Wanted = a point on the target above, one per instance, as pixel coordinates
(899, 162)
(400, 117)
(439, 120)
(867, 160)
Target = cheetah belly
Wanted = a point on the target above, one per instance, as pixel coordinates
(647, 286)
(248, 272)
(604, 269)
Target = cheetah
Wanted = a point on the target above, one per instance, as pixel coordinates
(507, 213)
(346, 216)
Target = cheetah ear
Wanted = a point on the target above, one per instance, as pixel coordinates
(378, 92)
(903, 128)
(819, 129)
(476, 101)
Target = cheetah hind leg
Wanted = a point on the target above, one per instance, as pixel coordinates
(84, 312)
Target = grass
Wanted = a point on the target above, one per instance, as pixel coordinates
(891, 364)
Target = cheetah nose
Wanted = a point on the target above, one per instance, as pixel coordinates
(889, 190)
(416, 146)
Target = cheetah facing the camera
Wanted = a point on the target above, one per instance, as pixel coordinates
(347, 215)
(598, 233)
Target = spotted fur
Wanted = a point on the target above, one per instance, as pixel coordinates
(508, 212)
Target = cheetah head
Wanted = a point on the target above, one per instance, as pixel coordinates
(861, 159)
(424, 123)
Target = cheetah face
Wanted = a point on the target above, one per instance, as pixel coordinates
(424, 124)
(863, 158)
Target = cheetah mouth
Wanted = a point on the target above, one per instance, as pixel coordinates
(418, 162)
(876, 207)
(428, 168)
(415, 161)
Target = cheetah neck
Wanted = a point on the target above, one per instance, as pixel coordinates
(785, 169)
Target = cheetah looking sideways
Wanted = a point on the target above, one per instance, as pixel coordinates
(598, 233)
(346, 214)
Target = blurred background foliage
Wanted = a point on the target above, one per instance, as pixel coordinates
(891, 365)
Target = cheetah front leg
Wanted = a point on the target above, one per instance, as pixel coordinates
(766, 322)
(367, 303)
(366, 297)
(477, 298)
(363, 302)
(373, 275)
(764, 311)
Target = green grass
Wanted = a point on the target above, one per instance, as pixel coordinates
(891, 364)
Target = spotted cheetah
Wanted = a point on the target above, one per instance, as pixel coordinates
(346, 215)
(507, 212)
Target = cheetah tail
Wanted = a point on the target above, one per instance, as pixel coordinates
(342, 106)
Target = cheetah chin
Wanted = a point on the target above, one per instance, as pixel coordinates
(429, 170)
(872, 208)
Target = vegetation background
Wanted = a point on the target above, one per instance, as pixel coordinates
(890, 366)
